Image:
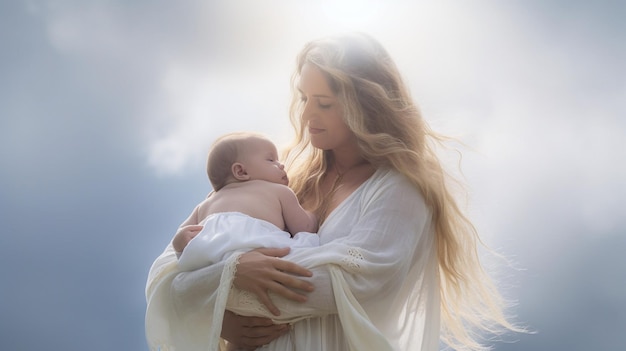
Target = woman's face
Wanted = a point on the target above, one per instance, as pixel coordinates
(322, 113)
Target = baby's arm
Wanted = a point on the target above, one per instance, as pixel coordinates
(297, 219)
(183, 237)
(187, 231)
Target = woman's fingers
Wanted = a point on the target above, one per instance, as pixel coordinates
(285, 266)
(255, 322)
(261, 271)
(287, 293)
(255, 342)
(262, 335)
(292, 268)
(285, 271)
(250, 332)
(263, 296)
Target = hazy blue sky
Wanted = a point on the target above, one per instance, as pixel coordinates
(107, 109)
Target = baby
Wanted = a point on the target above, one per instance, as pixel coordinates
(251, 205)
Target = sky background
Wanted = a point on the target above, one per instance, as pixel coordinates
(107, 109)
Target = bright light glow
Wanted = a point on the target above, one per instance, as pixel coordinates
(353, 13)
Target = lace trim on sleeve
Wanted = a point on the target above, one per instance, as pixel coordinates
(352, 262)
(246, 301)
(226, 281)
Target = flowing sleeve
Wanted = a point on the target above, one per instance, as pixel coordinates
(183, 308)
(390, 236)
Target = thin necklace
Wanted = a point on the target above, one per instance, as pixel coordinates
(333, 189)
(339, 177)
(336, 182)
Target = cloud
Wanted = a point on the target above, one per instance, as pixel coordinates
(245, 86)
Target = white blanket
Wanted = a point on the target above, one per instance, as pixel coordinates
(226, 233)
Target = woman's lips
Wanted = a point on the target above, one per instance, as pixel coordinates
(315, 130)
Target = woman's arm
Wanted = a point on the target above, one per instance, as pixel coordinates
(375, 255)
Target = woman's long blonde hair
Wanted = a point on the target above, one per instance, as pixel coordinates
(392, 133)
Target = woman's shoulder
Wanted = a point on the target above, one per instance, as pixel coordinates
(391, 183)
(390, 176)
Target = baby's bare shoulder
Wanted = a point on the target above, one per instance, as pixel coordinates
(263, 184)
(278, 191)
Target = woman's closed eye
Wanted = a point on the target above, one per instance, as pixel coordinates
(320, 104)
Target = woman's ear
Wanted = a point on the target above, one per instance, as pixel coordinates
(239, 171)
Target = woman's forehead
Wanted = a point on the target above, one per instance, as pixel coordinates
(312, 81)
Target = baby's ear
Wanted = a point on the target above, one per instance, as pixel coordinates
(239, 171)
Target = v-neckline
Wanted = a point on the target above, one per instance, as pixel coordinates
(348, 198)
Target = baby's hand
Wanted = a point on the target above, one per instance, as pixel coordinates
(184, 235)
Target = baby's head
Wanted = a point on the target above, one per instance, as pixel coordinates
(242, 156)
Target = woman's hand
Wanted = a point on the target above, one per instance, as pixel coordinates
(250, 332)
(261, 270)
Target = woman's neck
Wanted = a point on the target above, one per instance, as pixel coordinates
(346, 160)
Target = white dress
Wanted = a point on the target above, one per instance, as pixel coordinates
(375, 275)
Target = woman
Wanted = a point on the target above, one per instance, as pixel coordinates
(397, 255)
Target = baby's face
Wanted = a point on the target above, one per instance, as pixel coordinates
(262, 162)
